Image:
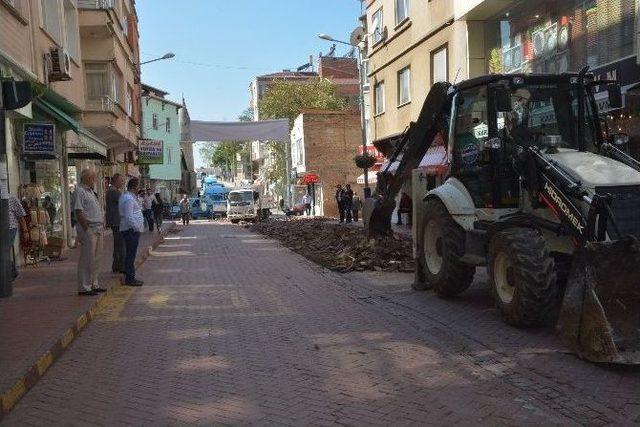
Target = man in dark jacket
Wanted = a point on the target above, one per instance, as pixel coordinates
(112, 220)
(347, 202)
(339, 201)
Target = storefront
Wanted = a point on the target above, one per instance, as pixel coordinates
(549, 36)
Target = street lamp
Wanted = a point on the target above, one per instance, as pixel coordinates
(165, 56)
(327, 37)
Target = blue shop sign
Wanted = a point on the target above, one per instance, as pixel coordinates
(39, 138)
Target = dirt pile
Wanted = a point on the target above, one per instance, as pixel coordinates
(339, 247)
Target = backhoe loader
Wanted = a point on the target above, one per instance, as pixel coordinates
(539, 192)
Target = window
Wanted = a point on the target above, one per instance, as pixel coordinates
(402, 10)
(154, 121)
(365, 73)
(440, 65)
(377, 26)
(129, 101)
(97, 77)
(168, 125)
(404, 86)
(50, 19)
(117, 81)
(169, 156)
(71, 30)
(125, 25)
(378, 90)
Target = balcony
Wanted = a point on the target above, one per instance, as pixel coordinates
(107, 120)
(96, 4)
(105, 103)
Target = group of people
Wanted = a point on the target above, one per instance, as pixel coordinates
(152, 208)
(125, 219)
(349, 204)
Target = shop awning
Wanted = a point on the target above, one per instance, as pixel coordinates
(89, 145)
(372, 175)
(436, 160)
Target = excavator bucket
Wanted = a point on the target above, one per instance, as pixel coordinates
(600, 314)
(378, 210)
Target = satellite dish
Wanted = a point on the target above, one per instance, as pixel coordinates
(357, 36)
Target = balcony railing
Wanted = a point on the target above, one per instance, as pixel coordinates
(96, 4)
(105, 103)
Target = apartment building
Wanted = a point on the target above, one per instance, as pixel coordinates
(413, 43)
(46, 141)
(109, 42)
(161, 122)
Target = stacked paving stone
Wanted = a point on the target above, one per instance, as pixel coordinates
(339, 247)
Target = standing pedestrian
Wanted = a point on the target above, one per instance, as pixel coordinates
(306, 201)
(347, 202)
(158, 207)
(148, 207)
(339, 201)
(112, 220)
(131, 225)
(17, 222)
(185, 209)
(90, 228)
(356, 206)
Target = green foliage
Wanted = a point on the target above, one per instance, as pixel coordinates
(286, 100)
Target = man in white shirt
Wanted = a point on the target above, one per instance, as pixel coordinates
(131, 225)
(306, 201)
(90, 229)
(148, 208)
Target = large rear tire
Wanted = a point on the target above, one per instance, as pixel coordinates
(440, 247)
(522, 276)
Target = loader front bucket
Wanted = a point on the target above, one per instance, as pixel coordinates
(600, 314)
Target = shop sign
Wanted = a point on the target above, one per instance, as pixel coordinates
(39, 138)
(150, 152)
(625, 72)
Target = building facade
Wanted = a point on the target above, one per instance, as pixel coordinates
(323, 144)
(161, 122)
(46, 142)
(412, 44)
(111, 60)
(188, 182)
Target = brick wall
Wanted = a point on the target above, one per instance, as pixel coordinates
(331, 142)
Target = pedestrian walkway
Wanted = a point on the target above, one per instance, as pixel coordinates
(231, 328)
(44, 305)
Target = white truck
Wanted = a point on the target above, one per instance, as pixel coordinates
(247, 204)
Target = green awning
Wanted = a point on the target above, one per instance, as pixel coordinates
(90, 142)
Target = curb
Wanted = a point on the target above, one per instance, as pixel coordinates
(9, 398)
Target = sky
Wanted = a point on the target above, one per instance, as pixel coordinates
(220, 45)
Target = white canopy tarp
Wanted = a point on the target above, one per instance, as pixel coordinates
(264, 130)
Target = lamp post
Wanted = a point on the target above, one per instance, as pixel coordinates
(323, 36)
(165, 56)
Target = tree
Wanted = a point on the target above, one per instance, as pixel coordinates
(285, 100)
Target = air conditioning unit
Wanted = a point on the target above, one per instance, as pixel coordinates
(59, 63)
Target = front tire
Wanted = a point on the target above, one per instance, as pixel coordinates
(439, 253)
(522, 277)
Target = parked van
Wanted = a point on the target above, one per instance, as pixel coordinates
(243, 205)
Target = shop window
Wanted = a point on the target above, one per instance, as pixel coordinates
(378, 90)
(168, 125)
(402, 10)
(440, 65)
(154, 121)
(50, 19)
(71, 30)
(377, 26)
(404, 86)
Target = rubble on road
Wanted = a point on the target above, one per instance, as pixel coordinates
(339, 247)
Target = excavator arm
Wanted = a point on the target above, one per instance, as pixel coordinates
(409, 152)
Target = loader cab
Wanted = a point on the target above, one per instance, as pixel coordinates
(495, 118)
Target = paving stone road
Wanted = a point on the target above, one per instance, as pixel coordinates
(231, 328)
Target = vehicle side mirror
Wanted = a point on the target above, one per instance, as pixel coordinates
(503, 99)
(619, 139)
(615, 96)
